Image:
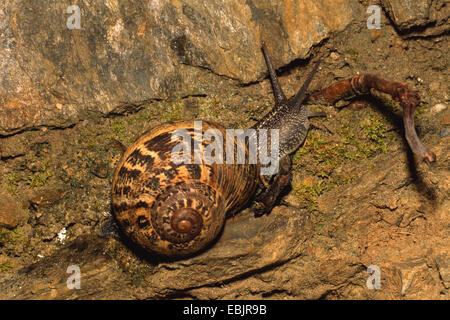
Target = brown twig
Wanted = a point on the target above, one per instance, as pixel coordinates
(400, 92)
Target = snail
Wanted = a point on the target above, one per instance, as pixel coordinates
(177, 209)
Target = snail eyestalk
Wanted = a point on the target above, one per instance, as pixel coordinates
(277, 91)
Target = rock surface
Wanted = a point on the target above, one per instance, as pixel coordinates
(236, 254)
(284, 253)
(358, 196)
(419, 14)
(11, 212)
(127, 52)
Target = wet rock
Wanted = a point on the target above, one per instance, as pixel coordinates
(11, 213)
(408, 15)
(128, 53)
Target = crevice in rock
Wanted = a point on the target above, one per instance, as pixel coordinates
(414, 36)
(40, 127)
(178, 295)
(210, 71)
(6, 158)
(274, 292)
(244, 275)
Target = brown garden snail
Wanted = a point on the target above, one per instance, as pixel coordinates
(178, 209)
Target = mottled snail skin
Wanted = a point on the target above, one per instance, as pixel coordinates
(174, 209)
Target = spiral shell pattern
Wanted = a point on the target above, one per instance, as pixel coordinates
(176, 209)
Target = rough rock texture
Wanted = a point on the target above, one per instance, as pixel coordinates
(282, 254)
(419, 14)
(11, 212)
(358, 195)
(236, 254)
(129, 52)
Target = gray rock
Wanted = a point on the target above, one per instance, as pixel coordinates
(130, 52)
(410, 14)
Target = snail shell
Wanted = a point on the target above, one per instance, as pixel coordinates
(176, 209)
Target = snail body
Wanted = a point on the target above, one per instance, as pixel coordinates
(178, 209)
